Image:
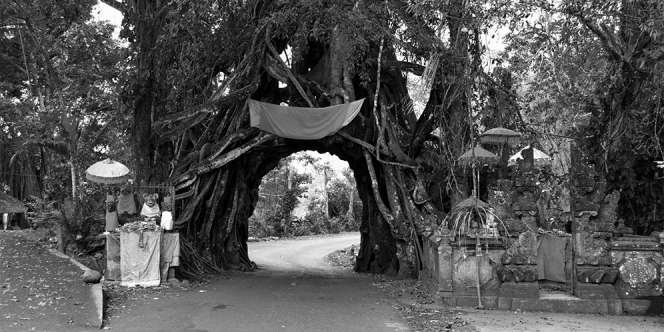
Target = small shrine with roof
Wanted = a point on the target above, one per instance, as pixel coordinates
(528, 239)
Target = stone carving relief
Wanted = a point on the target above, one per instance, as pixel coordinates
(523, 250)
(637, 270)
(465, 268)
(591, 250)
(640, 273)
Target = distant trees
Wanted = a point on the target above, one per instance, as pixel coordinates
(592, 70)
(327, 203)
(59, 107)
(279, 192)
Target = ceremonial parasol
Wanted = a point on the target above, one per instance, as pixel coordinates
(539, 157)
(478, 155)
(107, 172)
(500, 135)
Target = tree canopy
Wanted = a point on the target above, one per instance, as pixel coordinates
(172, 100)
(58, 97)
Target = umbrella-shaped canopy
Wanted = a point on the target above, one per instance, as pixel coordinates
(500, 135)
(9, 204)
(478, 155)
(471, 202)
(107, 172)
(539, 157)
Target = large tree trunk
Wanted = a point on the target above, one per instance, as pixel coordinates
(383, 145)
(147, 18)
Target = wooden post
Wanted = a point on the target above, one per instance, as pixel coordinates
(574, 160)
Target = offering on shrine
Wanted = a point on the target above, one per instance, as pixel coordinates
(139, 226)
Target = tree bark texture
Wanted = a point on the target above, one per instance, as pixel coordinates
(220, 160)
(147, 18)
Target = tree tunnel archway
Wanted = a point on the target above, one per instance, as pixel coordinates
(235, 204)
(218, 160)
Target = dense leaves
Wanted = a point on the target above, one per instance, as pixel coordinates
(585, 70)
(593, 71)
(59, 103)
(284, 190)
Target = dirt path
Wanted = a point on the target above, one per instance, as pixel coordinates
(295, 290)
(508, 321)
(39, 291)
(303, 256)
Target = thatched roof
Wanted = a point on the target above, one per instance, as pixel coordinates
(500, 135)
(478, 155)
(9, 204)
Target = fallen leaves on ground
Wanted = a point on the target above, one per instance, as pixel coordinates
(415, 302)
(344, 258)
(38, 290)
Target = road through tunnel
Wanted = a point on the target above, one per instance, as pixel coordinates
(220, 157)
(219, 228)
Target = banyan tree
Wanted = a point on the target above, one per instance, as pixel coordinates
(313, 54)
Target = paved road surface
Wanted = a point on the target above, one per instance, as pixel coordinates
(295, 290)
(300, 256)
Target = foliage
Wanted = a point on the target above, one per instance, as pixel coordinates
(326, 52)
(339, 191)
(567, 62)
(593, 70)
(279, 192)
(273, 215)
(59, 108)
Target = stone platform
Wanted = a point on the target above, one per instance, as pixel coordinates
(524, 297)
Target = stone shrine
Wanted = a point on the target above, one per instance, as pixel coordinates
(561, 248)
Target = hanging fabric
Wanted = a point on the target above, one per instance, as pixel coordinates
(551, 258)
(139, 265)
(112, 256)
(305, 123)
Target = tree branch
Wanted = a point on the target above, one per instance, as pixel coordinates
(374, 185)
(274, 52)
(211, 107)
(116, 5)
(371, 149)
(232, 155)
(608, 40)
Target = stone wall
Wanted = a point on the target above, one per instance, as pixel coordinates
(605, 262)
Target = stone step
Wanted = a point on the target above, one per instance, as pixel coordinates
(566, 305)
(546, 304)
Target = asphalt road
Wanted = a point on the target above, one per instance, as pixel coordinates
(294, 290)
(302, 256)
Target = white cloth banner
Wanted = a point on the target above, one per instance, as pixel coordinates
(303, 123)
(139, 258)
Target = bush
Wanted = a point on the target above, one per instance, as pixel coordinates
(335, 226)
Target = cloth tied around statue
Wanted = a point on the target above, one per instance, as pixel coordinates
(304, 123)
(111, 215)
(150, 211)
